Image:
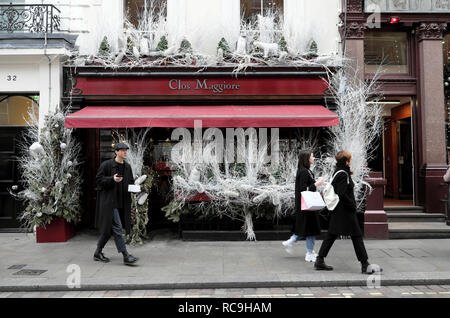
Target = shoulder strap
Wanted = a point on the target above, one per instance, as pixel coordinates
(337, 173)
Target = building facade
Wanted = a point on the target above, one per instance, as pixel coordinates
(409, 39)
(111, 55)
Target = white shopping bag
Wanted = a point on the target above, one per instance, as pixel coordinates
(312, 201)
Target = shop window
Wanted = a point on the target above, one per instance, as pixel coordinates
(137, 10)
(388, 49)
(14, 110)
(250, 9)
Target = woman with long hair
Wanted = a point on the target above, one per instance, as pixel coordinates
(343, 220)
(307, 223)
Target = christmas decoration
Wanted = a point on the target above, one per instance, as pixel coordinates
(144, 176)
(282, 44)
(185, 47)
(162, 44)
(105, 48)
(263, 41)
(313, 50)
(49, 170)
(223, 44)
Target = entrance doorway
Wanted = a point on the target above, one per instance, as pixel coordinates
(13, 109)
(398, 156)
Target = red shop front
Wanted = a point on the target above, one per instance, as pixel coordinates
(106, 102)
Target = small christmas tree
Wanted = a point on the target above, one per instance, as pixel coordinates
(313, 49)
(163, 44)
(282, 44)
(130, 45)
(223, 44)
(185, 47)
(105, 48)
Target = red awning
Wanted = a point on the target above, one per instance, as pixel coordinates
(211, 116)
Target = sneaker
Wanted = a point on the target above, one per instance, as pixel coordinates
(288, 243)
(289, 246)
(309, 257)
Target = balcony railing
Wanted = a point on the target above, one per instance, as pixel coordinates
(33, 18)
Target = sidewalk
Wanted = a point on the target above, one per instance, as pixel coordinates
(167, 262)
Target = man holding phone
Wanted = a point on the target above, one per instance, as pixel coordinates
(114, 203)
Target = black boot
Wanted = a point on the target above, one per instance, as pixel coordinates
(321, 266)
(98, 256)
(366, 268)
(129, 259)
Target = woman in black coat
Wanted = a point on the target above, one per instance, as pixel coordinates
(307, 223)
(343, 220)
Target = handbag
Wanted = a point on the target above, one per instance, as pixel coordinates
(311, 201)
(329, 196)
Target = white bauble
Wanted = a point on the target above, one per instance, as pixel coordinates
(36, 150)
(39, 214)
(142, 198)
(63, 146)
(199, 187)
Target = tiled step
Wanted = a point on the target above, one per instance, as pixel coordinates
(418, 230)
(415, 217)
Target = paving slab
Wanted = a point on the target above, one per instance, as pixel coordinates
(168, 263)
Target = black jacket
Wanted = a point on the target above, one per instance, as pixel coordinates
(307, 223)
(106, 197)
(343, 220)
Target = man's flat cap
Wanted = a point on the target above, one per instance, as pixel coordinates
(120, 145)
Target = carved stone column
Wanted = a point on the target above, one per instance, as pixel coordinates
(354, 44)
(431, 113)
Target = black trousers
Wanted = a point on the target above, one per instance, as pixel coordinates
(358, 245)
(116, 232)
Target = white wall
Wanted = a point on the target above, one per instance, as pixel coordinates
(34, 74)
(91, 20)
(312, 19)
(203, 23)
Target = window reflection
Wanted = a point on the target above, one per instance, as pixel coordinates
(137, 10)
(251, 8)
(388, 49)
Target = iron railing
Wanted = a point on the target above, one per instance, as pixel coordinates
(33, 18)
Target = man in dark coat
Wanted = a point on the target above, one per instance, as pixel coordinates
(343, 219)
(114, 203)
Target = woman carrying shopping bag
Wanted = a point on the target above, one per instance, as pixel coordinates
(307, 223)
(343, 219)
